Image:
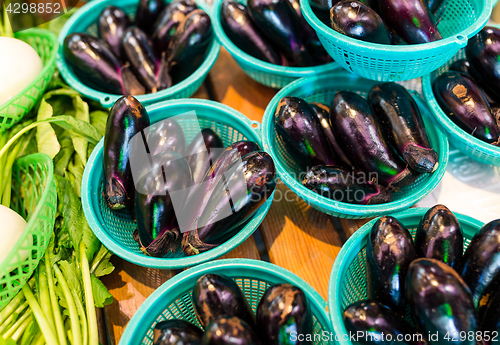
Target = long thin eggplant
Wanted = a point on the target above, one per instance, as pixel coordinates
(216, 295)
(112, 24)
(247, 185)
(166, 136)
(283, 313)
(278, 20)
(244, 33)
(379, 325)
(440, 302)
(389, 252)
(127, 118)
(400, 119)
(466, 105)
(357, 20)
(439, 236)
(176, 332)
(342, 185)
(202, 153)
(360, 135)
(146, 14)
(229, 331)
(93, 60)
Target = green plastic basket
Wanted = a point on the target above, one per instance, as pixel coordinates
(266, 73)
(115, 228)
(45, 44)
(34, 197)
(323, 89)
(462, 19)
(348, 279)
(85, 20)
(173, 299)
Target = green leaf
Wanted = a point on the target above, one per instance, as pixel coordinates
(102, 296)
(98, 119)
(76, 167)
(45, 135)
(81, 113)
(101, 266)
(78, 127)
(73, 277)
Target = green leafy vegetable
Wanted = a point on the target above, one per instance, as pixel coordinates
(45, 135)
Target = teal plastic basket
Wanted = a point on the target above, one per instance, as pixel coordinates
(462, 19)
(85, 20)
(266, 73)
(114, 228)
(323, 89)
(348, 279)
(173, 300)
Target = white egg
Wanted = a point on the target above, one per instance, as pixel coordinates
(12, 226)
(19, 66)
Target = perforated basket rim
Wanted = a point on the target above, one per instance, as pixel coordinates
(108, 99)
(168, 108)
(343, 208)
(171, 290)
(352, 248)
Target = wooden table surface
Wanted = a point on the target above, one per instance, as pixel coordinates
(293, 235)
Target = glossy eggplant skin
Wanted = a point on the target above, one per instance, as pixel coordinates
(176, 332)
(112, 24)
(399, 116)
(323, 4)
(216, 295)
(439, 300)
(228, 331)
(283, 310)
(389, 252)
(489, 317)
(466, 105)
(374, 318)
(361, 137)
(410, 19)
(278, 20)
(127, 118)
(439, 236)
(299, 127)
(146, 14)
(357, 20)
(166, 136)
(462, 66)
(202, 153)
(344, 186)
(240, 29)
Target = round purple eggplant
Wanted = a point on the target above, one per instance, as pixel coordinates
(176, 332)
(282, 313)
(379, 325)
(244, 33)
(166, 136)
(127, 118)
(360, 135)
(439, 236)
(146, 14)
(440, 302)
(202, 153)
(466, 105)
(342, 185)
(462, 66)
(389, 252)
(216, 295)
(229, 331)
(112, 24)
(403, 126)
(357, 20)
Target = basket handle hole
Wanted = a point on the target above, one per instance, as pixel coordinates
(255, 124)
(107, 99)
(461, 38)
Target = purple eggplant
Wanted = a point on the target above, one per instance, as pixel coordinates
(357, 20)
(94, 61)
(166, 136)
(360, 135)
(466, 105)
(462, 66)
(389, 252)
(412, 20)
(489, 318)
(168, 21)
(244, 34)
(342, 185)
(216, 295)
(246, 185)
(112, 24)
(439, 236)
(278, 20)
(323, 4)
(229, 331)
(298, 126)
(202, 153)
(126, 119)
(378, 324)
(403, 126)
(440, 302)
(176, 332)
(146, 14)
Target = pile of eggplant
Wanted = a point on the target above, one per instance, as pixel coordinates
(386, 21)
(358, 150)
(273, 31)
(453, 296)
(163, 46)
(227, 318)
(205, 177)
(469, 93)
